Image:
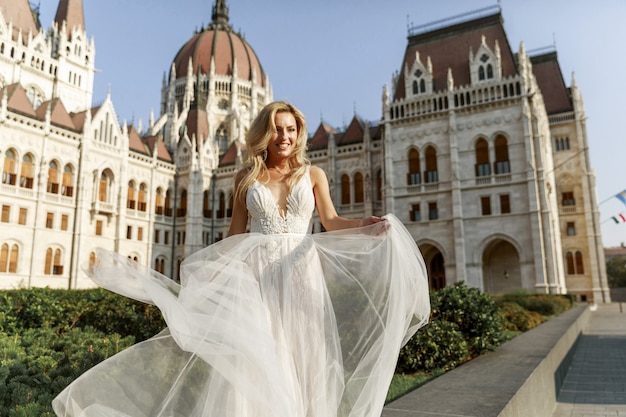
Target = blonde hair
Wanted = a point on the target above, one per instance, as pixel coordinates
(257, 140)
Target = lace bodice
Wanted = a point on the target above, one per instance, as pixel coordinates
(265, 213)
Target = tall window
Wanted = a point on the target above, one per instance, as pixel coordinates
(574, 263)
(9, 168)
(485, 205)
(6, 214)
(345, 189)
(431, 175)
(433, 213)
(106, 182)
(505, 204)
(482, 158)
(67, 188)
(567, 199)
(53, 178)
(64, 220)
(53, 262)
(413, 177)
(141, 197)
(158, 201)
(49, 220)
(182, 210)
(168, 203)
(130, 195)
(502, 164)
(98, 227)
(379, 185)
(571, 229)
(8, 258)
(358, 188)
(26, 172)
(221, 212)
(23, 215)
(415, 215)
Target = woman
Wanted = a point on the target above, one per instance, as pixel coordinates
(275, 322)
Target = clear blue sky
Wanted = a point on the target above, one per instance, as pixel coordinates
(332, 57)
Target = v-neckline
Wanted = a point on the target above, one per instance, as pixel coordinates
(282, 213)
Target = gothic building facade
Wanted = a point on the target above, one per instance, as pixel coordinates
(481, 151)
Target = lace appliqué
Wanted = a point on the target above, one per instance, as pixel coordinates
(265, 214)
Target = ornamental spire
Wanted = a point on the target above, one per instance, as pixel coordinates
(220, 12)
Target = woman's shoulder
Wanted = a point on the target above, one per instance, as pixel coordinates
(316, 172)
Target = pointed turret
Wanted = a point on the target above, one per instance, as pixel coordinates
(220, 13)
(71, 12)
(22, 18)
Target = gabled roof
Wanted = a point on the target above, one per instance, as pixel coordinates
(548, 74)
(58, 114)
(156, 145)
(230, 157)
(354, 132)
(135, 143)
(19, 12)
(70, 11)
(18, 101)
(449, 47)
(320, 138)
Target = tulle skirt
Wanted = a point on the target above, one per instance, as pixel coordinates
(264, 325)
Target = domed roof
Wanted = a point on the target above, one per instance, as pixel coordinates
(218, 41)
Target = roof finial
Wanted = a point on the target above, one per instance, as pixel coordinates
(220, 12)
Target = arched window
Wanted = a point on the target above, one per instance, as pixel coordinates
(221, 137)
(168, 203)
(35, 97)
(422, 86)
(158, 201)
(67, 187)
(431, 174)
(141, 197)
(57, 268)
(47, 269)
(580, 269)
(159, 264)
(53, 178)
(182, 210)
(104, 185)
(489, 71)
(229, 211)
(9, 173)
(502, 165)
(358, 188)
(481, 73)
(416, 89)
(26, 172)
(345, 189)
(413, 177)
(130, 195)
(8, 258)
(482, 158)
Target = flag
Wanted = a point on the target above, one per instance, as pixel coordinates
(618, 218)
(622, 196)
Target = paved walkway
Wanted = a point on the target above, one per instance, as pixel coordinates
(595, 385)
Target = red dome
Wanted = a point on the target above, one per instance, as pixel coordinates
(220, 42)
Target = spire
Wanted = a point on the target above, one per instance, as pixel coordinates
(19, 13)
(71, 12)
(220, 12)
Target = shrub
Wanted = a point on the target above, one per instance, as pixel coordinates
(439, 345)
(517, 318)
(474, 312)
(546, 305)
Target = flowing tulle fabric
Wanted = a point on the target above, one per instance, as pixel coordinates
(264, 325)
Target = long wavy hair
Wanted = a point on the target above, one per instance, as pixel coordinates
(257, 141)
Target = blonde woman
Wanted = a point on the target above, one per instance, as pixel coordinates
(275, 322)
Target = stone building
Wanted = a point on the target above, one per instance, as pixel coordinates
(481, 151)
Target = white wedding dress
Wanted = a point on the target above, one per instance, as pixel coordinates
(273, 323)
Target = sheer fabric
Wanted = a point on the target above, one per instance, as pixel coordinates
(286, 324)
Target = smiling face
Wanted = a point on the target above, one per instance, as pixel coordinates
(283, 140)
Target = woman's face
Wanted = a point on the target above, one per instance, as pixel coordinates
(283, 140)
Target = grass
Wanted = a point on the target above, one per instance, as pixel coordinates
(402, 384)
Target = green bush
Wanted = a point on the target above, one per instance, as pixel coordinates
(49, 337)
(474, 312)
(516, 318)
(439, 345)
(546, 305)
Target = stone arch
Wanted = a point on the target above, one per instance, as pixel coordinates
(434, 258)
(501, 258)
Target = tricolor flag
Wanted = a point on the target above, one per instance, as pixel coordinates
(622, 196)
(619, 217)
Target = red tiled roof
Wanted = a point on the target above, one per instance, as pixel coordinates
(19, 12)
(156, 144)
(18, 101)
(449, 47)
(320, 138)
(550, 80)
(135, 143)
(197, 124)
(230, 157)
(353, 134)
(79, 118)
(58, 114)
(70, 11)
